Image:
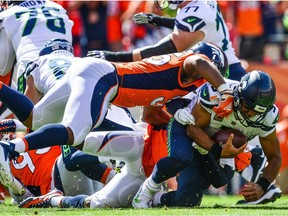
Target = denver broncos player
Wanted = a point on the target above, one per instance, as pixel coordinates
(254, 114)
(25, 26)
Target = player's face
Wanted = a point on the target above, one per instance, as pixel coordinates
(247, 111)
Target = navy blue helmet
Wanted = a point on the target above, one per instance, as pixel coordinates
(257, 90)
(56, 44)
(214, 53)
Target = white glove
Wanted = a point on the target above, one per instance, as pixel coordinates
(142, 18)
(201, 150)
(184, 116)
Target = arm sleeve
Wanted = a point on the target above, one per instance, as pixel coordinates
(164, 46)
(162, 21)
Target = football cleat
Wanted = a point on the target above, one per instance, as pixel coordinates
(7, 126)
(6, 178)
(43, 201)
(271, 195)
(143, 197)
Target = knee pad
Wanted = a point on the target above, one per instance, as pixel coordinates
(93, 142)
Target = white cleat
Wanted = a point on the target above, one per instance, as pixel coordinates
(6, 177)
(144, 195)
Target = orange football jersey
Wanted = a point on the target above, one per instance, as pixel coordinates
(34, 168)
(153, 81)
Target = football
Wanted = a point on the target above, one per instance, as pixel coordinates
(223, 135)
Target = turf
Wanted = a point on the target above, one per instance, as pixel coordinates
(211, 205)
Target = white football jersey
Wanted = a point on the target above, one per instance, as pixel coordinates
(205, 16)
(207, 98)
(47, 69)
(30, 25)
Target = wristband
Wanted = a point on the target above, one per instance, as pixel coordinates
(264, 183)
(216, 150)
(223, 87)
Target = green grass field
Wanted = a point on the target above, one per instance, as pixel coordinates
(211, 205)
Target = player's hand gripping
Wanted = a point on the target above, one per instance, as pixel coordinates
(229, 151)
(184, 116)
(225, 106)
(142, 18)
(97, 54)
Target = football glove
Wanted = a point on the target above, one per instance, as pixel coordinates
(225, 106)
(201, 150)
(97, 54)
(184, 116)
(142, 18)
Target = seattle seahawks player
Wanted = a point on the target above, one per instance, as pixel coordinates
(255, 114)
(25, 26)
(42, 74)
(196, 21)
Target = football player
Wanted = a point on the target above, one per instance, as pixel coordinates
(25, 26)
(91, 84)
(40, 170)
(195, 21)
(254, 114)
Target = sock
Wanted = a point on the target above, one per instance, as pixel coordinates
(56, 201)
(20, 145)
(47, 136)
(247, 173)
(153, 184)
(11, 98)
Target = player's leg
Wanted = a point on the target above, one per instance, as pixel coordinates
(118, 192)
(119, 145)
(89, 165)
(180, 155)
(71, 183)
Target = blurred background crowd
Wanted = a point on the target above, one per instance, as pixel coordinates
(258, 29)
